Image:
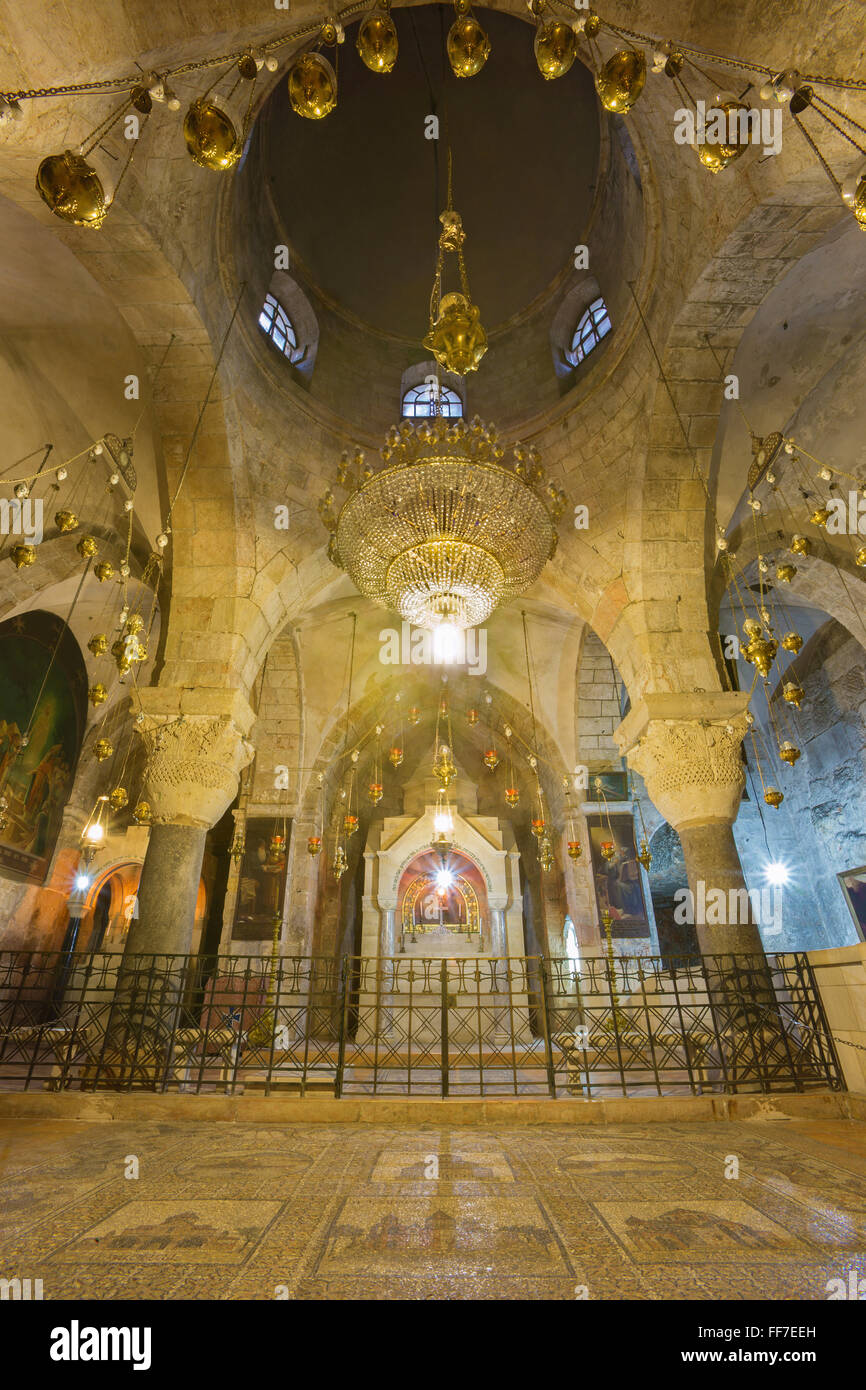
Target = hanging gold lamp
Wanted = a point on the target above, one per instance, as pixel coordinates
(313, 86)
(467, 45)
(377, 39)
(456, 338)
(72, 189)
(555, 44)
(210, 136)
(621, 80)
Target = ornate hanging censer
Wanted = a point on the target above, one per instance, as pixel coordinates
(443, 765)
(573, 845)
(395, 752)
(314, 841)
(377, 39)
(644, 854)
(350, 817)
(443, 824)
(607, 847)
(555, 43)
(375, 788)
(212, 138)
(312, 80)
(512, 795)
(467, 45)
(456, 337)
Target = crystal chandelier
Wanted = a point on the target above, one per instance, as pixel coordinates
(445, 531)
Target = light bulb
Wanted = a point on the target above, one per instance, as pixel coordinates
(82, 882)
(94, 834)
(444, 878)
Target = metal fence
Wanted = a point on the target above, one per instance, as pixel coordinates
(412, 1026)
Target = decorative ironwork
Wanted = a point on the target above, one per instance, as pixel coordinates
(411, 1025)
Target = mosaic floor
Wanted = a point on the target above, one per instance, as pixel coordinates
(314, 1211)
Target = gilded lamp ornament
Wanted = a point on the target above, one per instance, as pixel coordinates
(717, 155)
(377, 39)
(210, 136)
(313, 86)
(456, 338)
(555, 44)
(467, 45)
(759, 650)
(72, 189)
(621, 80)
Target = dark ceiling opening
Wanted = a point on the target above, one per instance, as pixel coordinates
(359, 193)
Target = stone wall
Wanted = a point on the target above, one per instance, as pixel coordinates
(598, 706)
(820, 828)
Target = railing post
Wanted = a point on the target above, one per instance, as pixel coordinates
(545, 1023)
(341, 1040)
(443, 976)
(831, 1065)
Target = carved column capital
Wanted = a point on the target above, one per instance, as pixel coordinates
(194, 757)
(687, 749)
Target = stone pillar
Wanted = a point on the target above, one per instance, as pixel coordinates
(687, 749)
(191, 778)
(389, 934)
(196, 746)
(498, 939)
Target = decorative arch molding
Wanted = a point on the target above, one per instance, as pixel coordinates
(470, 854)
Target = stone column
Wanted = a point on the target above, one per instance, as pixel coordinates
(193, 763)
(687, 749)
(196, 747)
(498, 939)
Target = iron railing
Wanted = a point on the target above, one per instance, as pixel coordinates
(413, 1026)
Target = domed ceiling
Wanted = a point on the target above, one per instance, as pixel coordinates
(359, 193)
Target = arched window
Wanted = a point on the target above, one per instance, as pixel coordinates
(420, 400)
(274, 321)
(593, 325)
